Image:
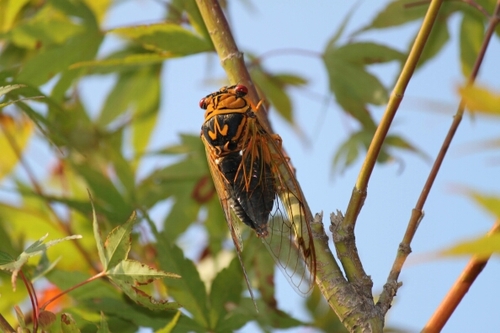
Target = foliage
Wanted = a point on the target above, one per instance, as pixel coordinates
(48, 48)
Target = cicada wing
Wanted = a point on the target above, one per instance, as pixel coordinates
(289, 238)
(225, 199)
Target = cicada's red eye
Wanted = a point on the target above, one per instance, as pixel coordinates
(241, 90)
(202, 104)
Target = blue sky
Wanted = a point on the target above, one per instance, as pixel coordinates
(424, 117)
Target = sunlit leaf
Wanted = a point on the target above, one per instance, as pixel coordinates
(165, 37)
(6, 89)
(99, 7)
(482, 247)
(171, 325)
(8, 12)
(41, 67)
(49, 26)
(134, 272)
(14, 137)
(118, 64)
(471, 36)
(117, 245)
(490, 203)
(37, 248)
(481, 100)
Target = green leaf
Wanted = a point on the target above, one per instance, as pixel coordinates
(178, 179)
(5, 89)
(6, 259)
(103, 327)
(37, 248)
(395, 141)
(196, 19)
(481, 100)
(396, 13)
(117, 245)
(350, 82)
(97, 236)
(134, 272)
(190, 290)
(226, 289)
(340, 31)
(482, 247)
(140, 297)
(437, 40)
(42, 67)
(349, 150)
(171, 325)
(366, 53)
(184, 211)
(133, 313)
(490, 203)
(290, 79)
(274, 92)
(49, 26)
(8, 13)
(167, 38)
(68, 324)
(264, 269)
(471, 35)
(121, 64)
(108, 197)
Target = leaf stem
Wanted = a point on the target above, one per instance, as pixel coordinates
(90, 279)
(33, 299)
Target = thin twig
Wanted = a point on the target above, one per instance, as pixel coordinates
(458, 290)
(345, 230)
(33, 299)
(417, 213)
(62, 293)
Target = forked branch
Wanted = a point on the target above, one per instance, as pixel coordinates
(417, 213)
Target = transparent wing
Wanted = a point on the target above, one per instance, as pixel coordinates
(289, 237)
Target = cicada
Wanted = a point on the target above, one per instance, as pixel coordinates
(256, 185)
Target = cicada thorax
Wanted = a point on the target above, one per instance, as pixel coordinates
(227, 130)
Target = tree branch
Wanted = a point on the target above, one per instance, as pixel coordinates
(417, 213)
(457, 292)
